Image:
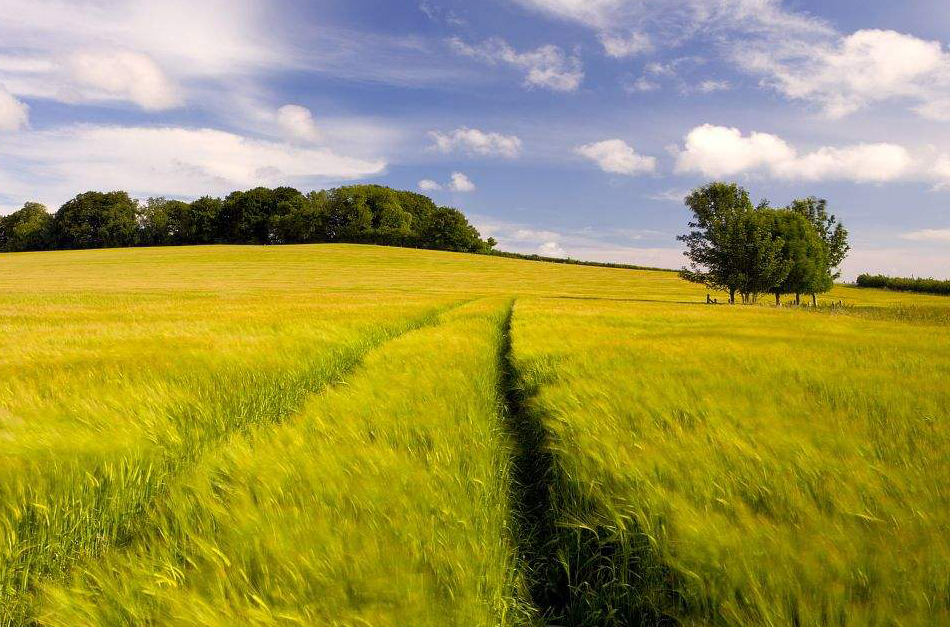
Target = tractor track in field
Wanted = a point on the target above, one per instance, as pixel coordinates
(576, 575)
(16, 603)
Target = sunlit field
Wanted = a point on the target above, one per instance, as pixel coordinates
(749, 466)
(360, 435)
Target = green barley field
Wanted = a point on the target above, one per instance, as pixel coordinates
(359, 436)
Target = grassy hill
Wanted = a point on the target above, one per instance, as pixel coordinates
(360, 435)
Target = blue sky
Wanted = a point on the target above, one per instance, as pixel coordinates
(566, 127)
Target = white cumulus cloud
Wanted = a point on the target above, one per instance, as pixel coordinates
(551, 249)
(851, 72)
(717, 151)
(461, 183)
(428, 185)
(941, 172)
(296, 123)
(14, 114)
(474, 141)
(547, 66)
(618, 157)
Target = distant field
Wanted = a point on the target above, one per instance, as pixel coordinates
(359, 435)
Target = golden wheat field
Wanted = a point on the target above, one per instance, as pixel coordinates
(356, 435)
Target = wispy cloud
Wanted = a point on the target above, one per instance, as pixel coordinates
(138, 51)
(14, 114)
(797, 54)
(844, 74)
(475, 141)
(941, 236)
(620, 46)
(611, 245)
(548, 66)
(670, 195)
(178, 162)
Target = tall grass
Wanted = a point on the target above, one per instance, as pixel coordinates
(107, 396)
(746, 466)
(313, 435)
(382, 502)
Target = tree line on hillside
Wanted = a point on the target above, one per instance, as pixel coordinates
(905, 284)
(370, 214)
(739, 248)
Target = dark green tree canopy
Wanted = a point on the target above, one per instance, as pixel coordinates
(832, 233)
(355, 213)
(30, 228)
(803, 250)
(715, 243)
(97, 220)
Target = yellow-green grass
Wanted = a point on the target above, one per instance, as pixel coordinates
(229, 271)
(109, 387)
(747, 465)
(382, 502)
(127, 374)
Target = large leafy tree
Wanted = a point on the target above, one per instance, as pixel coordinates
(161, 221)
(29, 228)
(757, 252)
(715, 244)
(199, 224)
(349, 217)
(422, 209)
(802, 251)
(248, 217)
(97, 220)
(300, 219)
(450, 230)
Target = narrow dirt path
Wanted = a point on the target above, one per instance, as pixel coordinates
(578, 575)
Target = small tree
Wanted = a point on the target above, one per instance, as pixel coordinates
(757, 250)
(801, 248)
(834, 241)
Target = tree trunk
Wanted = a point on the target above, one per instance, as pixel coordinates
(814, 300)
(798, 299)
(732, 297)
(778, 301)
